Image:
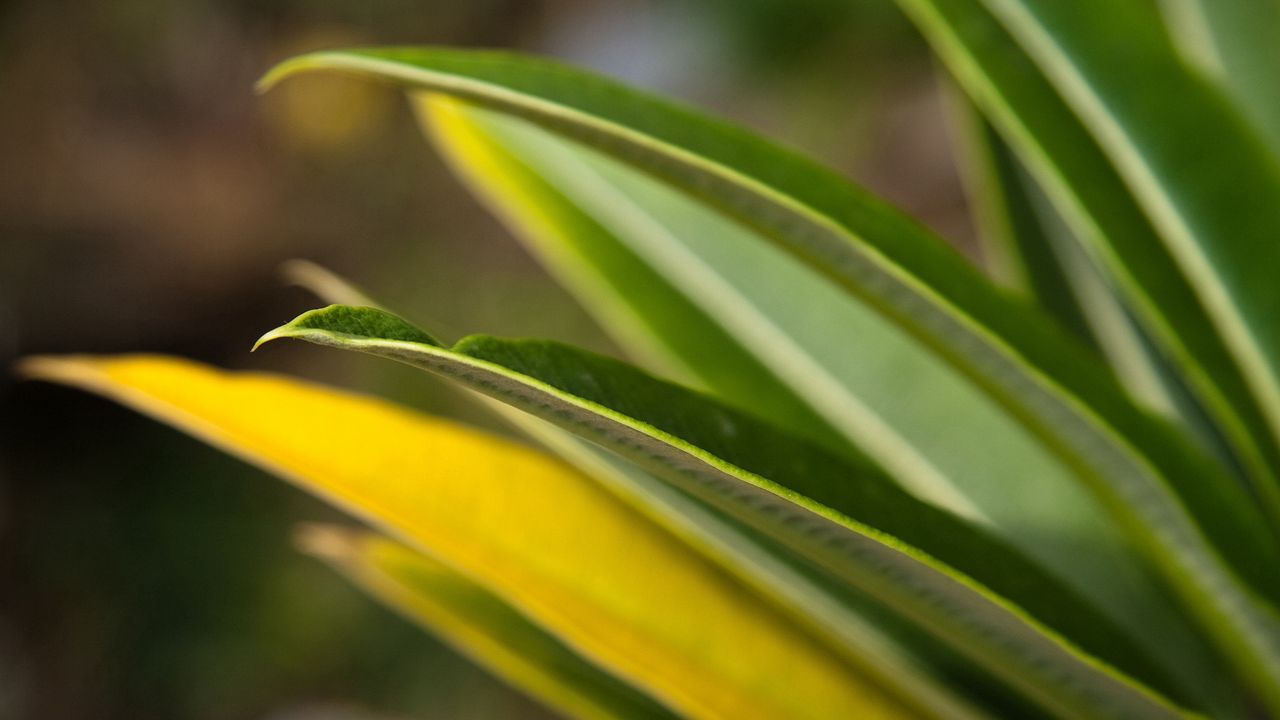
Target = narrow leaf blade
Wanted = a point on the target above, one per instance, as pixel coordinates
(712, 292)
(852, 520)
(532, 530)
(1147, 476)
(477, 624)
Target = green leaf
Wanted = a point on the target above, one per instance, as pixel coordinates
(849, 518)
(478, 624)
(1028, 248)
(1235, 42)
(871, 636)
(866, 634)
(1147, 224)
(533, 531)
(716, 296)
(742, 317)
(631, 298)
(1143, 472)
(1133, 204)
(1016, 249)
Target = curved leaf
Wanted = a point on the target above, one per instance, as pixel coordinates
(478, 624)
(848, 518)
(739, 315)
(1183, 229)
(1142, 471)
(716, 296)
(632, 299)
(868, 635)
(538, 534)
(1027, 248)
(1016, 250)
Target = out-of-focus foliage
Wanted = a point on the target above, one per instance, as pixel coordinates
(897, 486)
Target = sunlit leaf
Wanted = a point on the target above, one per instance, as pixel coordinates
(478, 624)
(869, 635)
(1201, 530)
(541, 536)
(721, 299)
(847, 517)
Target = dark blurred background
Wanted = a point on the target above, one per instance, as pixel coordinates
(147, 199)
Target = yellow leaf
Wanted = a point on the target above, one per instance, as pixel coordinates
(537, 533)
(477, 623)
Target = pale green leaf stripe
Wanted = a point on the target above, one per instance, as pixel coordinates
(923, 423)
(813, 599)
(478, 624)
(631, 300)
(1130, 460)
(1026, 248)
(1029, 247)
(1102, 212)
(1235, 42)
(1015, 248)
(726, 302)
(835, 524)
(1217, 211)
(1070, 165)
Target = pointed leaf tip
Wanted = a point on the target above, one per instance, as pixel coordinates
(278, 72)
(352, 323)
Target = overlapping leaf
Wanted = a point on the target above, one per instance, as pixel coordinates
(1027, 248)
(848, 518)
(478, 624)
(1199, 528)
(869, 636)
(717, 297)
(539, 535)
(1095, 173)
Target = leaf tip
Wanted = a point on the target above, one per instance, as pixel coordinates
(284, 331)
(280, 71)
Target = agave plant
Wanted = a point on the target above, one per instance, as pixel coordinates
(851, 474)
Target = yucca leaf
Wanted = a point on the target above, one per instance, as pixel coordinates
(1151, 224)
(1106, 206)
(324, 283)
(477, 624)
(869, 636)
(639, 306)
(848, 518)
(1027, 247)
(1016, 249)
(1141, 470)
(538, 534)
(1234, 41)
(736, 314)
(716, 295)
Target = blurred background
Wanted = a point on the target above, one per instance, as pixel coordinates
(147, 200)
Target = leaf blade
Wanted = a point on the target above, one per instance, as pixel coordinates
(477, 624)
(612, 598)
(711, 291)
(870, 637)
(603, 407)
(1144, 473)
